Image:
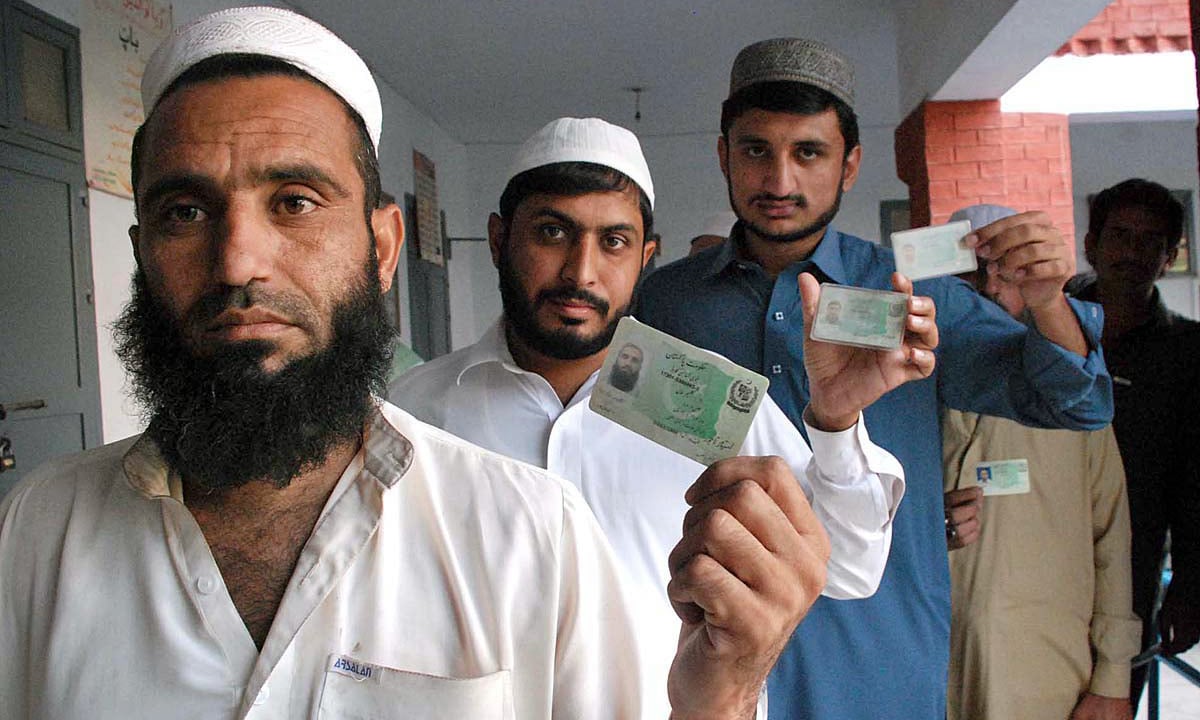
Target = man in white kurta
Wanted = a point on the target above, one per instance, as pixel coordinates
(442, 581)
(635, 487)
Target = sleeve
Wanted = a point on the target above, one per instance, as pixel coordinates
(854, 487)
(1115, 631)
(1045, 385)
(597, 666)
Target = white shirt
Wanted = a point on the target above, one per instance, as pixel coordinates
(442, 581)
(636, 487)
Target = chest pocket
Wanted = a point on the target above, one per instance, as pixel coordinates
(355, 690)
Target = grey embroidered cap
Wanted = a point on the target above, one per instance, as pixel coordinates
(795, 60)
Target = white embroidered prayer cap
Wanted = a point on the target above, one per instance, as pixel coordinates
(589, 140)
(272, 32)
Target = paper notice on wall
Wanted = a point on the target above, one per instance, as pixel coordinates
(117, 38)
(429, 224)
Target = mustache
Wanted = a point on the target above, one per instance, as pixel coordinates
(568, 294)
(800, 201)
(287, 305)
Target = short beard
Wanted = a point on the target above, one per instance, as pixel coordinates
(521, 317)
(222, 421)
(812, 228)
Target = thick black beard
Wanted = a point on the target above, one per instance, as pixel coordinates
(222, 421)
(521, 317)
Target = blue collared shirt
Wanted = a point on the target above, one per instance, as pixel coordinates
(886, 656)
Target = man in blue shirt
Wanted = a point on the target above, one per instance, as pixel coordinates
(789, 149)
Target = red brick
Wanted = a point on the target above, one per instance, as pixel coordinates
(1025, 167)
(1174, 28)
(1043, 150)
(966, 107)
(954, 171)
(963, 138)
(1043, 120)
(1031, 200)
(939, 154)
(941, 188)
(991, 186)
(991, 169)
(979, 153)
(991, 137)
(1014, 152)
(935, 138)
(975, 121)
(1141, 12)
(1048, 182)
(1010, 120)
(1055, 133)
(1180, 11)
(1024, 135)
(939, 122)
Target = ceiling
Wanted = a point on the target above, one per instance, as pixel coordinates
(493, 71)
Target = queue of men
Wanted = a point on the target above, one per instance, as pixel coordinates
(283, 542)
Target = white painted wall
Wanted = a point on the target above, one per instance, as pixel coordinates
(404, 128)
(1104, 154)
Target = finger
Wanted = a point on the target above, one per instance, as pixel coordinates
(995, 238)
(769, 472)
(965, 496)
(921, 332)
(749, 508)
(1029, 255)
(901, 284)
(810, 296)
(701, 586)
(962, 513)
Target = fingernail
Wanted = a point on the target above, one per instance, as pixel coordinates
(970, 240)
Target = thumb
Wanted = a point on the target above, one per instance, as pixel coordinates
(810, 295)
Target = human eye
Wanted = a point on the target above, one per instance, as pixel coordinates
(755, 151)
(808, 153)
(296, 204)
(180, 216)
(552, 232)
(615, 242)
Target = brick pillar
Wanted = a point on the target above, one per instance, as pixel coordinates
(953, 154)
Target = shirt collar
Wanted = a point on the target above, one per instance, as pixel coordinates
(491, 348)
(387, 456)
(827, 257)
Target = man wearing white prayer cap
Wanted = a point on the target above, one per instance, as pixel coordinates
(570, 241)
(281, 542)
(716, 231)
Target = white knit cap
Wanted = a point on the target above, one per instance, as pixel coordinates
(586, 140)
(276, 33)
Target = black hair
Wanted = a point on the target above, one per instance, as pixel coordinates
(572, 179)
(790, 97)
(1138, 193)
(246, 65)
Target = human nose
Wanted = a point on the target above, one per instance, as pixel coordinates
(581, 263)
(244, 250)
(778, 180)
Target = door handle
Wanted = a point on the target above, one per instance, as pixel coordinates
(6, 408)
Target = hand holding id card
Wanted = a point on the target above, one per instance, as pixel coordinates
(682, 397)
(933, 251)
(860, 317)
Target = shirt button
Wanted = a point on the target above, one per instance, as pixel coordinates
(205, 584)
(778, 314)
(776, 369)
(263, 695)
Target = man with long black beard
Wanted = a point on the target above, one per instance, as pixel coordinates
(570, 241)
(789, 149)
(280, 542)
